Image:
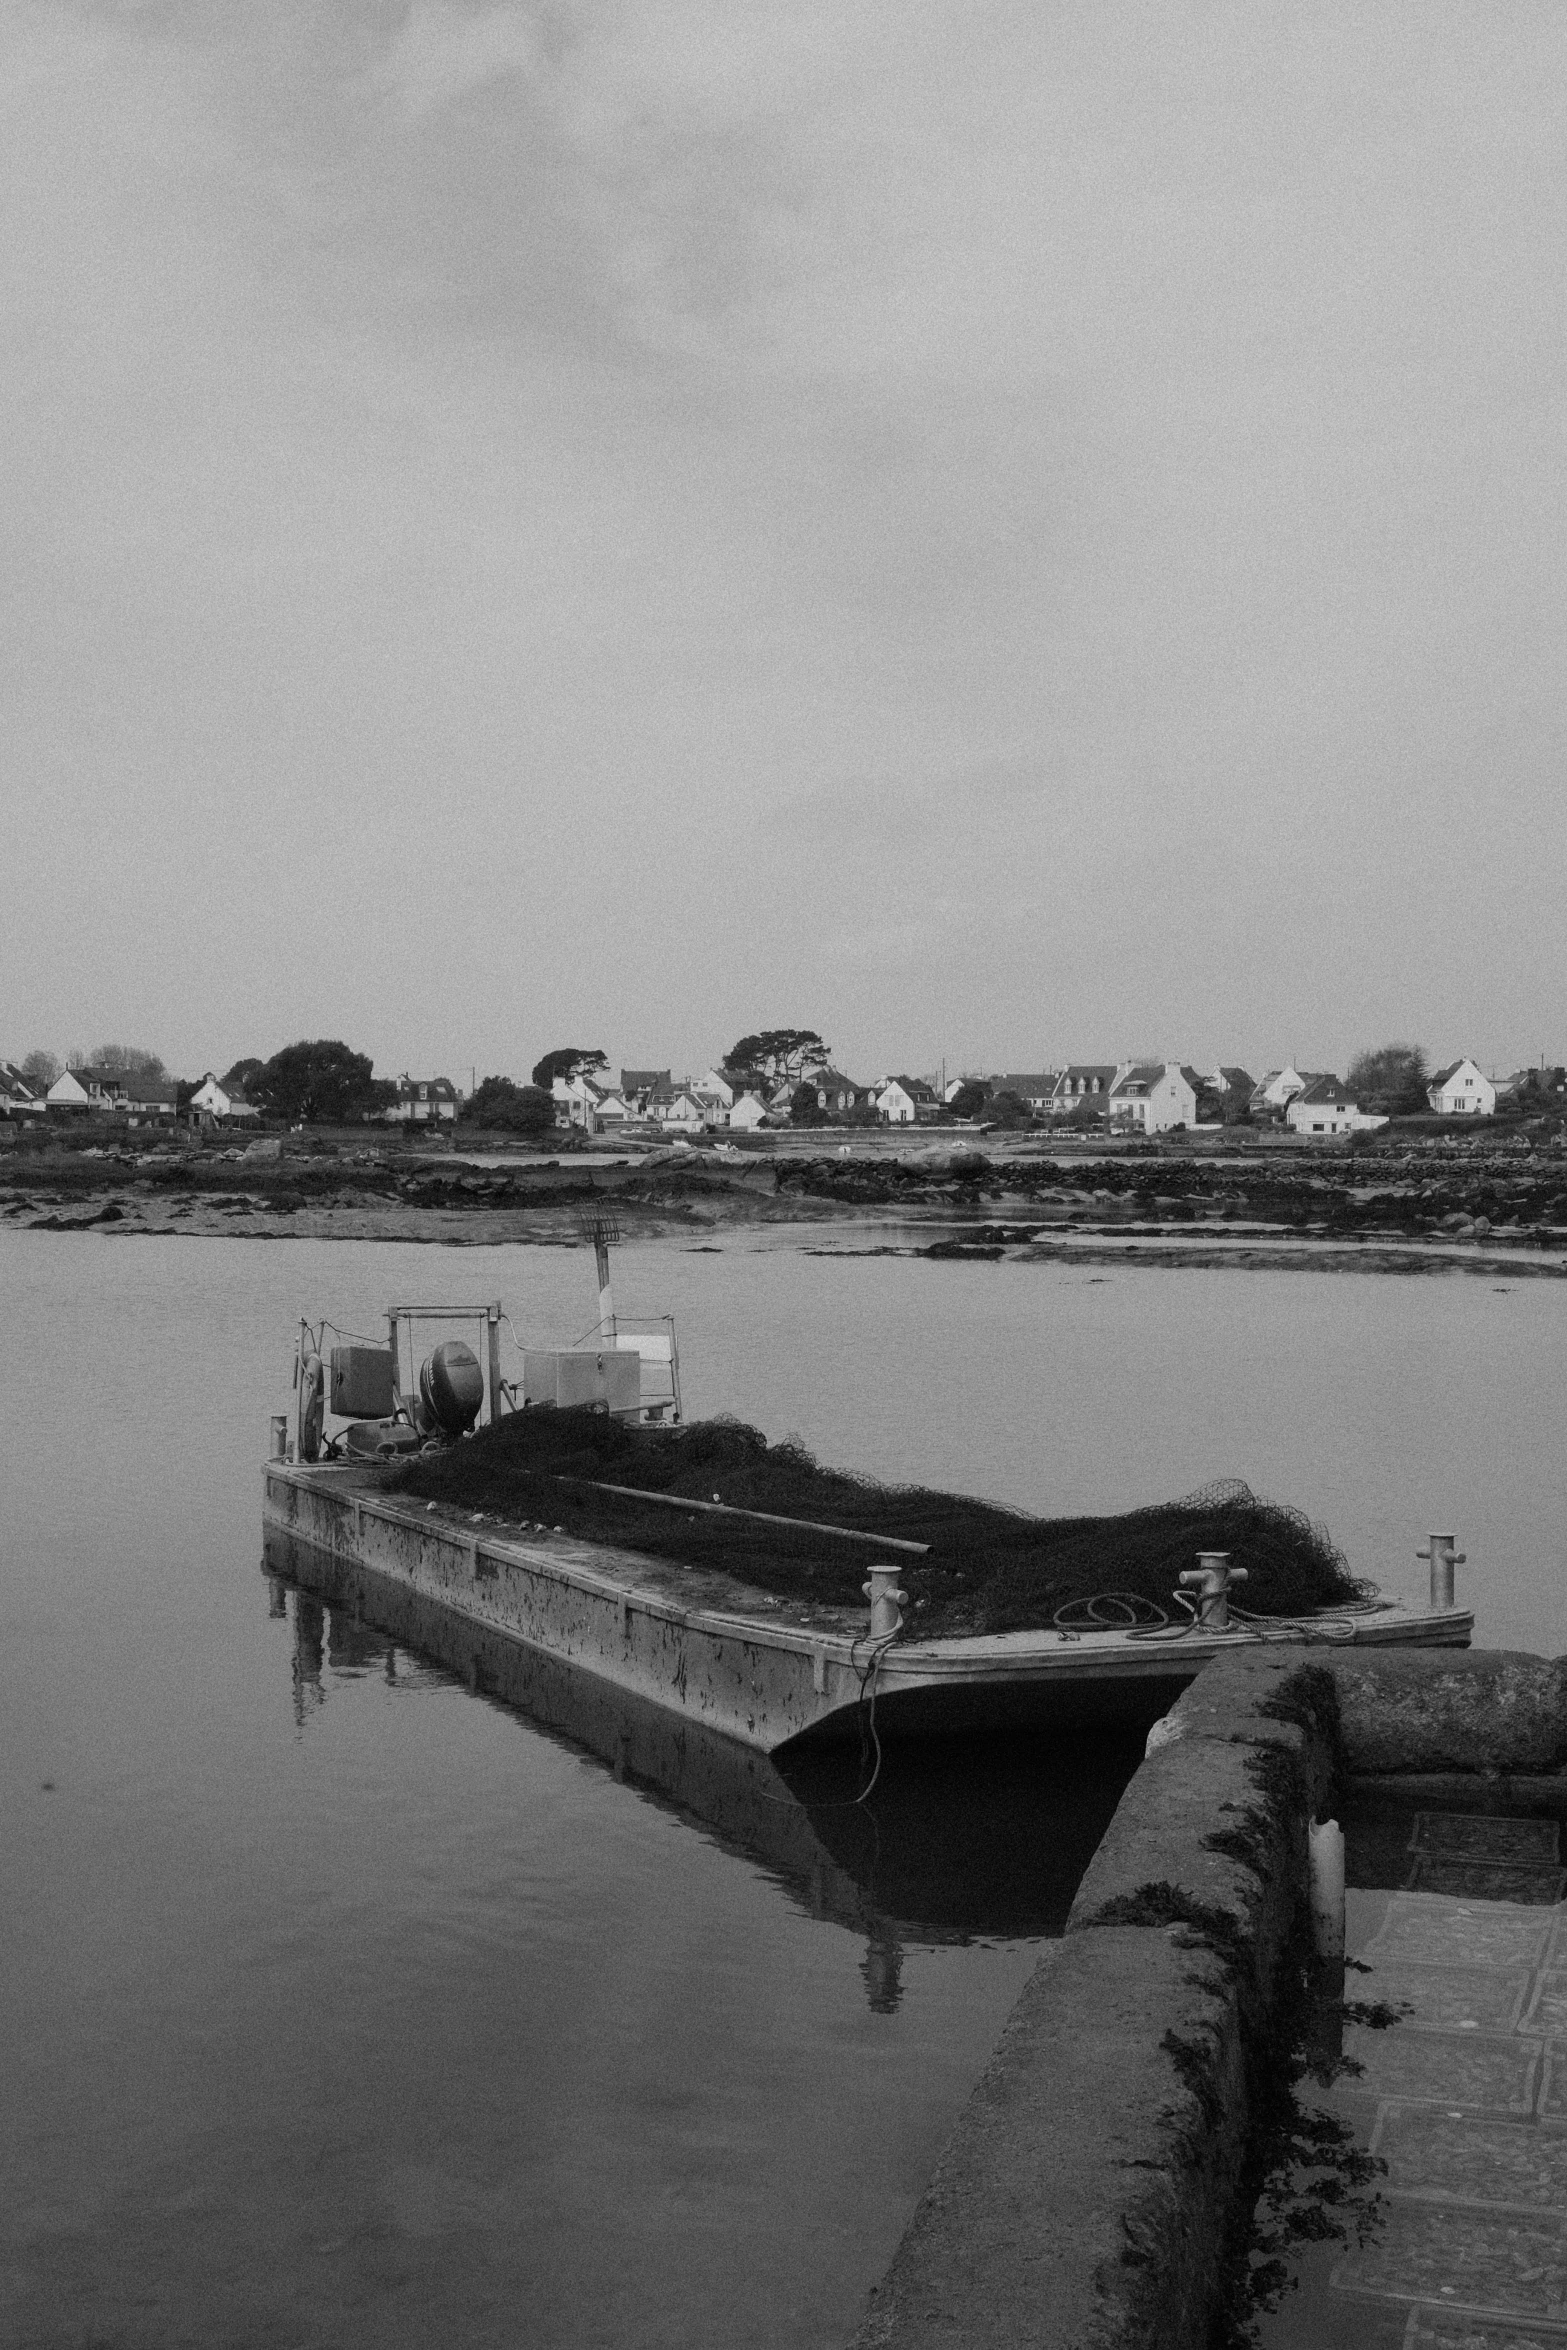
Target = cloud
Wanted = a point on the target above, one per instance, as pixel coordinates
(908, 814)
(443, 52)
(1065, 484)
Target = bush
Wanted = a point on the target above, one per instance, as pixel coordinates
(509, 1108)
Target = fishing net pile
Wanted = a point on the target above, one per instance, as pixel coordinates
(987, 1569)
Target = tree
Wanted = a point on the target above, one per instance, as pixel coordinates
(804, 1108)
(324, 1083)
(510, 1109)
(1391, 1081)
(779, 1054)
(40, 1069)
(133, 1060)
(242, 1076)
(568, 1060)
(969, 1100)
(1008, 1109)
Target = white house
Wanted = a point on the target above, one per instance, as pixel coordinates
(748, 1113)
(715, 1106)
(1278, 1089)
(587, 1101)
(722, 1088)
(1327, 1106)
(901, 1100)
(1155, 1096)
(87, 1089)
(210, 1096)
(219, 1101)
(677, 1109)
(15, 1091)
(1462, 1091)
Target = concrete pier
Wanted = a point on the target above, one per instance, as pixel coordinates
(1087, 2196)
(1087, 2193)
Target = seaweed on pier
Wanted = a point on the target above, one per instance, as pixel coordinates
(987, 1569)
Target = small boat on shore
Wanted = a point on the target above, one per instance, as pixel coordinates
(569, 1508)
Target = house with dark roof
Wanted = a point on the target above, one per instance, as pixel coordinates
(159, 1097)
(16, 1092)
(1531, 1088)
(637, 1084)
(903, 1101)
(1155, 1097)
(421, 1101)
(87, 1089)
(1228, 1080)
(1034, 1088)
(128, 1091)
(1328, 1106)
(1084, 1085)
(835, 1093)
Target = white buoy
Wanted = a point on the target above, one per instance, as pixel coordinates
(1327, 1889)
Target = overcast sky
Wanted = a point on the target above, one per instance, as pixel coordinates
(996, 531)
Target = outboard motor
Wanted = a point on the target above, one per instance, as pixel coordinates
(451, 1388)
(312, 1405)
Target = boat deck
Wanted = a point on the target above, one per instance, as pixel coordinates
(765, 1669)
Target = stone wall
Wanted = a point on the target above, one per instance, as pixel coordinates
(1086, 2194)
(1084, 2201)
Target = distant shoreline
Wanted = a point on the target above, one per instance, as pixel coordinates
(1500, 1215)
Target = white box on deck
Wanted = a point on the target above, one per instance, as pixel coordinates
(610, 1377)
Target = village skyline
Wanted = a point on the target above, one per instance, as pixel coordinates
(768, 1080)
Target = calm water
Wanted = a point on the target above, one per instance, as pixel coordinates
(345, 2007)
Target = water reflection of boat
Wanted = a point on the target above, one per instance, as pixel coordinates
(931, 1856)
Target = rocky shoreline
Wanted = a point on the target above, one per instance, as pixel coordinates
(1495, 1212)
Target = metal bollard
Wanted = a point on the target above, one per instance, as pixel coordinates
(279, 1426)
(1213, 1579)
(1444, 1557)
(886, 1602)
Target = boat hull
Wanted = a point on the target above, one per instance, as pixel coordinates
(739, 1671)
